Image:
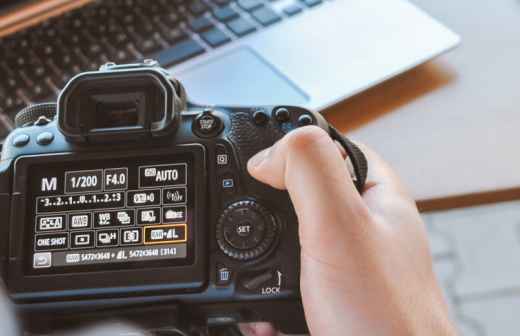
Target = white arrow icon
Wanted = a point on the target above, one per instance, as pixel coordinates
(279, 278)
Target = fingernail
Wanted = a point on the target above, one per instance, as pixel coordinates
(259, 157)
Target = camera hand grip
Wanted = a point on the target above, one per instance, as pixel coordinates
(356, 156)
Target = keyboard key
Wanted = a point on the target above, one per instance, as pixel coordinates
(292, 9)
(201, 24)
(249, 5)
(311, 3)
(148, 46)
(241, 26)
(197, 7)
(13, 104)
(220, 2)
(38, 92)
(215, 37)
(265, 16)
(180, 52)
(173, 35)
(225, 13)
(171, 19)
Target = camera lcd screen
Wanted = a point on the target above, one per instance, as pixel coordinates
(110, 214)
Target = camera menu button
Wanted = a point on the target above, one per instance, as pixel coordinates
(21, 140)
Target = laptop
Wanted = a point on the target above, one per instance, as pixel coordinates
(312, 53)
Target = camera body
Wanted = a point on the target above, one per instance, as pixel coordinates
(133, 197)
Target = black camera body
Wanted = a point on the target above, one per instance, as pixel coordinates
(134, 198)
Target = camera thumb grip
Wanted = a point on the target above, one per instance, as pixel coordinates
(356, 156)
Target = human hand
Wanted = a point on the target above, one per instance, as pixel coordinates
(366, 267)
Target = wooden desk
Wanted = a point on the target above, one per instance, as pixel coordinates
(451, 127)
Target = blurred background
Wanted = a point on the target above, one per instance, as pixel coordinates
(431, 85)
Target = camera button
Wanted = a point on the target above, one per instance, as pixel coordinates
(21, 140)
(206, 124)
(227, 182)
(305, 120)
(224, 275)
(282, 114)
(222, 156)
(45, 138)
(260, 117)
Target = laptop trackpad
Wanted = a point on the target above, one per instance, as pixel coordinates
(240, 77)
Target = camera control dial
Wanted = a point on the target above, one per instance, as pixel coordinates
(246, 230)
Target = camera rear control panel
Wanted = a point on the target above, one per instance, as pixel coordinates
(113, 215)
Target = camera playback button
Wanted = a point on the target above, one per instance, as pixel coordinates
(227, 183)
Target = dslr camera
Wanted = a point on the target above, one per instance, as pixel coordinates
(124, 199)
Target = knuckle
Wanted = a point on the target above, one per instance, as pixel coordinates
(306, 137)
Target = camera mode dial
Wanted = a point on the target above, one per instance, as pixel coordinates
(246, 230)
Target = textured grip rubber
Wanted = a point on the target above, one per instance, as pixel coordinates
(358, 159)
(31, 113)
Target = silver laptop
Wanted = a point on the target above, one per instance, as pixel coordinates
(320, 57)
(312, 53)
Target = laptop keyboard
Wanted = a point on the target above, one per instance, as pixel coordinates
(36, 63)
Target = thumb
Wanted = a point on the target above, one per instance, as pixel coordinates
(310, 166)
